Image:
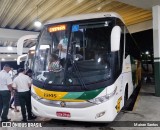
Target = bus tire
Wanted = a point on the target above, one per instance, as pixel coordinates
(126, 95)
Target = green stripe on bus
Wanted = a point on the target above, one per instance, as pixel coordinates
(90, 94)
(72, 95)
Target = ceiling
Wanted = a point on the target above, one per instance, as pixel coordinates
(21, 14)
(146, 4)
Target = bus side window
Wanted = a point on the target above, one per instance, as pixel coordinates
(131, 46)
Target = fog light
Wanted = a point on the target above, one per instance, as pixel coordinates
(100, 114)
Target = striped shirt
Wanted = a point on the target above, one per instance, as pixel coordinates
(55, 66)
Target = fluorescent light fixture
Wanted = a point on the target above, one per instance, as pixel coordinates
(37, 24)
(43, 47)
(32, 52)
(99, 8)
(9, 48)
(2, 59)
(33, 48)
(42, 58)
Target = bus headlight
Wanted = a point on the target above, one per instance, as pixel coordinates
(102, 99)
(36, 97)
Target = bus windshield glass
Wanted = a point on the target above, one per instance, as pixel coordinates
(74, 53)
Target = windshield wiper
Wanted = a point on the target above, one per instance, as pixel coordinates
(79, 75)
(74, 64)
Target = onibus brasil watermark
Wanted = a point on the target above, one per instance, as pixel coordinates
(21, 124)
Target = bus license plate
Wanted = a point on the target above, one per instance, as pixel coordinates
(63, 114)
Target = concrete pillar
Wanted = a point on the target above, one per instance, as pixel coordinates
(156, 44)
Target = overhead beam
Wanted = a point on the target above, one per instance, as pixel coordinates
(140, 26)
(16, 10)
(146, 4)
(7, 56)
(12, 34)
(32, 7)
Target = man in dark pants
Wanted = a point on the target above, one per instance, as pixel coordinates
(5, 92)
(22, 83)
(25, 102)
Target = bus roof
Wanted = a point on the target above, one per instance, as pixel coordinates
(84, 16)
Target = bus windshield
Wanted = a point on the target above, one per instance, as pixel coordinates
(74, 53)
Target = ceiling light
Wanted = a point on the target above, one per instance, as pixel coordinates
(32, 52)
(8, 55)
(9, 48)
(99, 8)
(33, 48)
(15, 59)
(2, 59)
(43, 47)
(42, 58)
(37, 23)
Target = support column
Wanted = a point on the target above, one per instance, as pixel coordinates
(156, 44)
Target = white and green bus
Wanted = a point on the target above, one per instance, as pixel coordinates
(95, 76)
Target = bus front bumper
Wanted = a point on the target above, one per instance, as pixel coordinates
(104, 112)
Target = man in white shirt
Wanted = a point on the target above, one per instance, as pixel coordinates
(22, 83)
(62, 46)
(5, 92)
(12, 73)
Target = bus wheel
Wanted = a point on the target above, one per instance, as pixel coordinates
(126, 95)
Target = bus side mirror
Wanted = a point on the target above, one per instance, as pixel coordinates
(115, 38)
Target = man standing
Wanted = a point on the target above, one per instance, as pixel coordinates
(5, 92)
(22, 83)
(12, 73)
(62, 46)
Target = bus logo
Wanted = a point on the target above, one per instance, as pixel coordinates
(63, 104)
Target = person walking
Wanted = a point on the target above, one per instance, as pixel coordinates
(15, 98)
(22, 83)
(5, 92)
